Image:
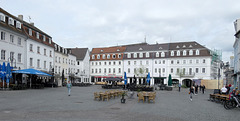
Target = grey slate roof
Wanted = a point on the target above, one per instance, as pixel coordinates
(80, 53)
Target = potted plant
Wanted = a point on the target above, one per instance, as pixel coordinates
(123, 100)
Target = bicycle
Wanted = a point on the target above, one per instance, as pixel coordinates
(233, 102)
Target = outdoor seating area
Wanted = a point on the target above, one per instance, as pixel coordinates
(146, 96)
(218, 97)
(141, 88)
(81, 84)
(107, 95)
(100, 83)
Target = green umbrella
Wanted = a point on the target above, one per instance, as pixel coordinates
(170, 80)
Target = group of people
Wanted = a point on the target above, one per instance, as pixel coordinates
(227, 89)
(194, 90)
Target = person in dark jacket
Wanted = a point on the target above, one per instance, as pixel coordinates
(191, 91)
(203, 88)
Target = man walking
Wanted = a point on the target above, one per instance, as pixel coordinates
(179, 86)
(203, 88)
(69, 85)
(191, 91)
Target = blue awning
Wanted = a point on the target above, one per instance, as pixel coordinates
(31, 71)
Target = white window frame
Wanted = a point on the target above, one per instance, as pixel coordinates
(135, 55)
(103, 56)
(129, 55)
(98, 56)
(178, 53)
(172, 53)
(140, 55)
(108, 56)
(3, 34)
(93, 56)
(190, 52)
(37, 35)
(184, 52)
(30, 32)
(19, 41)
(157, 54)
(147, 55)
(10, 21)
(2, 17)
(197, 52)
(18, 25)
(19, 57)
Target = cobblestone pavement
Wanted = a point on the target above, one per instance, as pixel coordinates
(53, 104)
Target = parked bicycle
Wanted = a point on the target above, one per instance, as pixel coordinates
(233, 102)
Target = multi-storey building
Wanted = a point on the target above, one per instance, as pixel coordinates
(236, 54)
(12, 42)
(106, 62)
(82, 64)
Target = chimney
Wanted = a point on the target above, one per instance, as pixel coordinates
(32, 23)
(20, 17)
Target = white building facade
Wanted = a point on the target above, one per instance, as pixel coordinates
(236, 54)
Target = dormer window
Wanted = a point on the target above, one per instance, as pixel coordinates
(103, 56)
(147, 54)
(184, 53)
(50, 40)
(178, 53)
(177, 47)
(44, 38)
(190, 45)
(93, 57)
(10, 21)
(55, 46)
(18, 25)
(108, 56)
(172, 53)
(162, 54)
(135, 55)
(160, 48)
(190, 52)
(30, 32)
(197, 52)
(141, 55)
(184, 46)
(101, 50)
(37, 35)
(98, 56)
(140, 49)
(119, 55)
(157, 54)
(129, 55)
(2, 17)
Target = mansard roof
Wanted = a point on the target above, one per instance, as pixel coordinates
(147, 47)
(80, 53)
(185, 46)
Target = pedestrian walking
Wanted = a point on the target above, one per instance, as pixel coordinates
(69, 86)
(179, 86)
(196, 89)
(200, 87)
(203, 88)
(191, 91)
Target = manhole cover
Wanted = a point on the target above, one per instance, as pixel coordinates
(79, 102)
(115, 108)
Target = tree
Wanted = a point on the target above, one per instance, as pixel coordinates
(140, 72)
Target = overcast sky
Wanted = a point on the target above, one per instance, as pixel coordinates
(101, 23)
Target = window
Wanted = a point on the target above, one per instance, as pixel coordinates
(129, 63)
(147, 62)
(37, 35)
(135, 62)
(155, 70)
(203, 70)
(19, 41)
(178, 70)
(114, 63)
(2, 35)
(157, 54)
(11, 55)
(135, 70)
(10, 21)
(159, 61)
(178, 62)
(147, 70)
(103, 56)
(51, 54)
(190, 52)
(38, 63)
(66, 61)
(18, 25)
(197, 61)
(59, 59)
(44, 38)
(184, 53)
(178, 53)
(129, 55)
(135, 55)
(171, 70)
(172, 61)
(45, 64)
(147, 54)
(19, 57)
(159, 70)
(119, 62)
(105, 63)
(184, 61)
(100, 71)
(31, 47)
(119, 70)
(163, 70)
(113, 56)
(98, 56)
(128, 70)
(78, 63)
(141, 55)
(93, 57)
(11, 38)
(30, 32)
(163, 62)
(196, 70)
(197, 52)
(190, 61)
(38, 50)
(109, 70)
(172, 53)
(50, 65)
(114, 70)
(31, 62)
(108, 56)
(3, 54)
(105, 70)
(50, 41)
(155, 62)
(100, 63)
(119, 55)
(190, 71)
(109, 63)
(2, 17)
(45, 51)
(184, 70)
(204, 61)
(92, 70)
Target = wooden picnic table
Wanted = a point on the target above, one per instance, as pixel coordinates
(219, 97)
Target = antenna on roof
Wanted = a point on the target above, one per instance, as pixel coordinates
(145, 39)
(29, 19)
